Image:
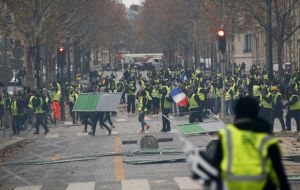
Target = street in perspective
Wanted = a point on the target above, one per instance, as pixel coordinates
(149, 95)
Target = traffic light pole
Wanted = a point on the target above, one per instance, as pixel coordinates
(61, 60)
(62, 103)
(222, 61)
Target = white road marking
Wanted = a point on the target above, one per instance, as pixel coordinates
(120, 120)
(187, 183)
(35, 187)
(81, 186)
(51, 136)
(82, 134)
(68, 123)
(135, 184)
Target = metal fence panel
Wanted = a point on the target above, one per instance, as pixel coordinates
(109, 101)
(93, 102)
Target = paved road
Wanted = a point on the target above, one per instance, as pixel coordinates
(107, 173)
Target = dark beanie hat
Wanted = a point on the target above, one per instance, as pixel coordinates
(246, 107)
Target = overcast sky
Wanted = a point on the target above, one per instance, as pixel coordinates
(130, 2)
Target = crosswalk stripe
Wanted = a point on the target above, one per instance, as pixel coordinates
(81, 186)
(35, 187)
(135, 184)
(82, 134)
(51, 136)
(187, 183)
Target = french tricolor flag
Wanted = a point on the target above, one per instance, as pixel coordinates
(179, 97)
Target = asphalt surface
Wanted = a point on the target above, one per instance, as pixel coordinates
(107, 173)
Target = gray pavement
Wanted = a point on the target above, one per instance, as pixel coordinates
(107, 173)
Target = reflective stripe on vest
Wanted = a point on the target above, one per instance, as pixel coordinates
(295, 106)
(228, 95)
(264, 103)
(245, 163)
(30, 102)
(192, 102)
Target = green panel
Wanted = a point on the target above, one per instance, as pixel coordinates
(87, 102)
(189, 129)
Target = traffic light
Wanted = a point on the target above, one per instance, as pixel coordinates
(61, 56)
(222, 40)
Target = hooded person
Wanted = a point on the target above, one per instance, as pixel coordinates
(246, 156)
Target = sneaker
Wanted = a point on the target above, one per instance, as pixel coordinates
(36, 133)
(148, 127)
(141, 131)
(91, 133)
(47, 131)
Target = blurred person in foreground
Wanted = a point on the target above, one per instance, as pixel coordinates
(246, 156)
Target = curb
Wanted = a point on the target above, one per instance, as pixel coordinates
(11, 143)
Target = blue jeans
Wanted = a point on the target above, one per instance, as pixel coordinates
(229, 109)
(141, 119)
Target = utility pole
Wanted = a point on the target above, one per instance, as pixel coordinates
(222, 48)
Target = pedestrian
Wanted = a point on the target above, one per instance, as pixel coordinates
(247, 155)
(277, 107)
(17, 109)
(39, 110)
(194, 106)
(265, 102)
(293, 105)
(165, 105)
(86, 119)
(99, 116)
(131, 89)
(56, 101)
(29, 109)
(142, 108)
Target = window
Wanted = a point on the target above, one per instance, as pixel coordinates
(248, 43)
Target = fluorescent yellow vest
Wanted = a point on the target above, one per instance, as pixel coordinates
(167, 104)
(264, 103)
(30, 102)
(245, 164)
(140, 105)
(295, 106)
(192, 102)
(201, 95)
(14, 108)
(56, 96)
(39, 108)
(255, 90)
